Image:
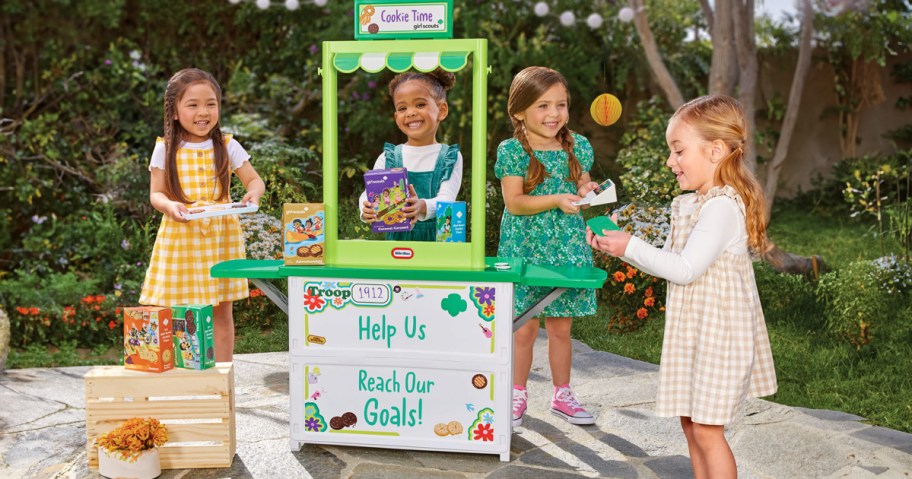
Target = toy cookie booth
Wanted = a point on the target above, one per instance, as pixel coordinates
(402, 344)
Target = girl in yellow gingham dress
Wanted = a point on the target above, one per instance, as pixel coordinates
(716, 350)
(191, 166)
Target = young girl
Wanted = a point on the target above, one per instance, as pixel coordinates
(434, 169)
(191, 166)
(543, 169)
(716, 351)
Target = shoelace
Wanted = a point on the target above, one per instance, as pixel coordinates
(518, 400)
(567, 396)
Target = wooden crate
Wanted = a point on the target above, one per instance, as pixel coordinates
(196, 406)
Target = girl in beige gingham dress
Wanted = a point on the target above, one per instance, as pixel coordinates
(716, 350)
(191, 166)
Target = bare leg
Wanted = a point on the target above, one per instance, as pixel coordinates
(718, 457)
(523, 342)
(560, 351)
(223, 317)
(697, 461)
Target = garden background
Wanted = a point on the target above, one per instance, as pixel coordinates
(81, 85)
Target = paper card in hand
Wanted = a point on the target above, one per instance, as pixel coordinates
(606, 194)
(600, 223)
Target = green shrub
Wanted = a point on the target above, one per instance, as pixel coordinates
(861, 301)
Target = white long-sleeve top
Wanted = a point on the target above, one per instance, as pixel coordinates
(424, 158)
(721, 227)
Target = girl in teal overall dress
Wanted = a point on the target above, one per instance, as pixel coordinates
(434, 169)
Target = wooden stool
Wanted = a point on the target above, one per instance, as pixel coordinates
(197, 407)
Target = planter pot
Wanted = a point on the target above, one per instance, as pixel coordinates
(147, 466)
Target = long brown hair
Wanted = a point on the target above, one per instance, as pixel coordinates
(527, 87)
(720, 117)
(174, 132)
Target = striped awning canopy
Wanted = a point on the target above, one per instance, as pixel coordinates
(400, 61)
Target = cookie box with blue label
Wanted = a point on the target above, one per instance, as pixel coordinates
(451, 221)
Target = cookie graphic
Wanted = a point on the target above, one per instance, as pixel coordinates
(479, 381)
(303, 251)
(373, 28)
(349, 419)
(210, 353)
(336, 423)
(191, 323)
(441, 429)
(454, 428)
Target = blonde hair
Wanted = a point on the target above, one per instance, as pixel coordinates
(720, 117)
(527, 87)
(174, 132)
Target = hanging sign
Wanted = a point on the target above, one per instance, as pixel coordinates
(389, 19)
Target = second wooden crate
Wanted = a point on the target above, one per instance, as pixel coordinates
(197, 407)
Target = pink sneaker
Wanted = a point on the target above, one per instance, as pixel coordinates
(520, 397)
(565, 405)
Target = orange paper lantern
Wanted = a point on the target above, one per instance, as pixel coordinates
(605, 109)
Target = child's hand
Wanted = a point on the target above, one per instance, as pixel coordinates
(176, 210)
(251, 198)
(565, 203)
(585, 188)
(611, 242)
(414, 206)
(368, 213)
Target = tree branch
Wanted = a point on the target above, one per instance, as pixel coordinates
(651, 49)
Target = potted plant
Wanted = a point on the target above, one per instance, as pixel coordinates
(131, 449)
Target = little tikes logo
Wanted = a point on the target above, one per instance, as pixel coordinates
(402, 253)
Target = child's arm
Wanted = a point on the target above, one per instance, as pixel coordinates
(584, 185)
(720, 226)
(520, 204)
(252, 183)
(160, 201)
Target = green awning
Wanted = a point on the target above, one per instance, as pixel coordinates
(400, 61)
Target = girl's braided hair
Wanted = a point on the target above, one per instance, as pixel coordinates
(174, 132)
(527, 87)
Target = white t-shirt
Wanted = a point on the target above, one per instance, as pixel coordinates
(721, 228)
(237, 155)
(424, 158)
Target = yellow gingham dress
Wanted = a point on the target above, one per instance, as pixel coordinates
(716, 350)
(184, 252)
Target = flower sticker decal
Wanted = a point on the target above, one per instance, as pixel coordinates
(483, 427)
(313, 303)
(313, 420)
(484, 301)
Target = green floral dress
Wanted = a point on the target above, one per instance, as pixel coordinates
(551, 237)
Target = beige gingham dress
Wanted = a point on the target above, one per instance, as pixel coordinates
(716, 349)
(184, 252)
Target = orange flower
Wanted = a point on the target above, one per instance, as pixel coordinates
(256, 292)
(112, 324)
(99, 299)
(34, 311)
(642, 313)
(618, 276)
(650, 302)
(649, 292)
(629, 288)
(88, 299)
(631, 272)
(21, 310)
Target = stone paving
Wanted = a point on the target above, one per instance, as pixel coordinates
(42, 433)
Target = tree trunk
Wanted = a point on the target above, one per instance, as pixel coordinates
(724, 69)
(663, 77)
(810, 266)
(747, 77)
(794, 103)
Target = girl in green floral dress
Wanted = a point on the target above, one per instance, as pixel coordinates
(543, 170)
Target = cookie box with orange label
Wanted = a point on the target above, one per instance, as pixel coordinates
(147, 339)
(305, 241)
(387, 191)
(193, 336)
